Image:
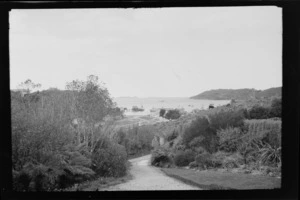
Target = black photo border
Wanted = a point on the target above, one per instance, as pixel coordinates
(290, 97)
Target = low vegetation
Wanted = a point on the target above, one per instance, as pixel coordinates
(137, 109)
(226, 138)
(170, 113)
(265, 112)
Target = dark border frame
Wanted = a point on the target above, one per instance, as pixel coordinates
(291, 98)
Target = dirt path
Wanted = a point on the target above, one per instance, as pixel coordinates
(146, 177)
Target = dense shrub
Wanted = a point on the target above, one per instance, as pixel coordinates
(193, 164)
(137, 109)
(49, 150)
(21, 181)
(109, 159)
(226, 118)
(266, 131)
(203, 160)
(160, 158)
(162, 112)
(270, 155)
(259, 112)
(262, 136)
(205, 137)
(276, 108)
(172, 114)
(232, 161)
(229, 139)
(183, 158)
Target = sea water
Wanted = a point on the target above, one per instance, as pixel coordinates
(155, 103)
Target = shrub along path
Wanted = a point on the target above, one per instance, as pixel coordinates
(146, 177)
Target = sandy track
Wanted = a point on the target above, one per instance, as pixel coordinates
(146, 177)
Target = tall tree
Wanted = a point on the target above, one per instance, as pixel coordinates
(92, 104)
(29, 86)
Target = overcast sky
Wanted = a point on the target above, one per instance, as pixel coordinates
(167, 52)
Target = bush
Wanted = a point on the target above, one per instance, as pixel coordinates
(270, 156)
(259, 112)
(229, 139)
(233, 161)
(109, 159)
(207, 160)
(226, 118)
(276, 108)
(203, 134)
(193, 164)
(266, 131)
(21, 181)
(137, 109)
(183, 158)
(162, 112)
(160, 158)
(173, 114)
(35, 177)
(45, 134)
(203, 160)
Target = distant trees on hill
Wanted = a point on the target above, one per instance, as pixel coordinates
(239, 94)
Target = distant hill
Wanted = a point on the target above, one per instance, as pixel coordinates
(238, 94)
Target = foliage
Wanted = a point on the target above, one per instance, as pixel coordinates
(200, 129)
(238, 94)
(49, 150)
(232, 161)
(229, 139)
(162, 112)
(93, 101)
(267, 131)
(239, 141)
(270, 155)
(137, 109)
(136, 139)
(259, 112)
(29, 86)
(183, 158)
(172, 114)
(226, 118)
(276, 108)
(204, 160)
(109, 159)
(160, 158)
(260, 134)
(207, 160)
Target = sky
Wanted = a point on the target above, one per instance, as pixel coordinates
(149, 52)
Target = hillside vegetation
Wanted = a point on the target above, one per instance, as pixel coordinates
(65, 137)
(238, 136)
(239, 94)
